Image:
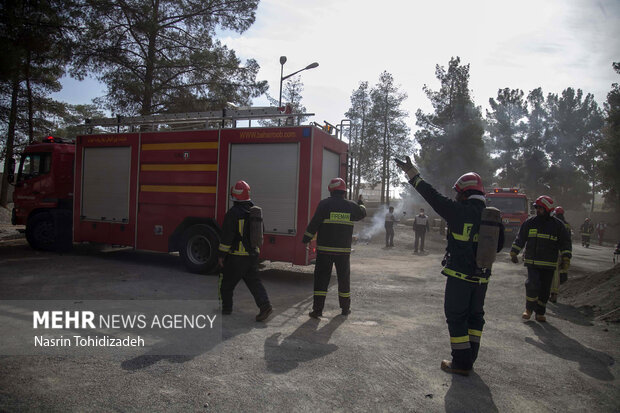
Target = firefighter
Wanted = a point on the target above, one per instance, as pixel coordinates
(560, 275)
(389, 228)
(586, 232)
(420, 226)
(545, 236)
(466, 284)
(333, 220)
(238, 262)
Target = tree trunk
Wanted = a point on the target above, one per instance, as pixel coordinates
(147, 97)
(10, 139)
(387, 167)
(359, 155)
(30, 105)
(593, 195)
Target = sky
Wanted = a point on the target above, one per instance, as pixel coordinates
(525, 44)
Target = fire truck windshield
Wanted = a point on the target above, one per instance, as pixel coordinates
(34, 164)
(508, 205)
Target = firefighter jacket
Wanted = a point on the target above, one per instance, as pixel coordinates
(232, 230)
(546, 236)
(333, 220)
(463, 218)
(587, 228)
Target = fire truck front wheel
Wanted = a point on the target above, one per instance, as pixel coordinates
(40, 232)
(198, 249)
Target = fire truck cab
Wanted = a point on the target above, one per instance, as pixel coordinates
(43, 195)
(513, 206)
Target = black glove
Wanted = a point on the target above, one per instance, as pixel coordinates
(407, 167)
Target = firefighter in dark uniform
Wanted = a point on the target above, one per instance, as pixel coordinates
(586, 232)
(545, 236)
(333, 220)
(236, 261)
(466, 284)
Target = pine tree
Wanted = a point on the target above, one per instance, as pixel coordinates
(152, 55)
(388, 128)
(574, 128)
(358, 113)
(451, 138)
(609, 165)
(507, 128)
(533, 165)
(37, 39)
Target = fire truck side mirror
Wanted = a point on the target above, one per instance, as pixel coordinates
(10, 176)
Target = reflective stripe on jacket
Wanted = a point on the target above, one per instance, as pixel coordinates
(463, 218)
(544, 237)
(232, 230)
(333, 220)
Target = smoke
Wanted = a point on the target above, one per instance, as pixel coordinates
(405, 208)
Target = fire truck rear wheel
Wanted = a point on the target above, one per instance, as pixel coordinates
(40, 232)
(198, 249)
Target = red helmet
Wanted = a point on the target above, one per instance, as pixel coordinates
(241, 191)
(545, 202)
(337, 184)
(559, 210)
(470, 180)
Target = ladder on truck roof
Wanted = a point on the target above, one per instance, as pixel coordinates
(208, 117)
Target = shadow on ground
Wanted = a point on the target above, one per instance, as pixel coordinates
(307, 342)
(469, 394)
(591, 362)
(295, 302)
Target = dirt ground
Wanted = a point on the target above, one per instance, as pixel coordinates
(384, 357)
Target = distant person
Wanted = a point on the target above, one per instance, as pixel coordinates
(420, 226)
(600, 231)
(560, 274)
(466, 284)
(239, 262)
(544, 237)
(333, 220)
(360, 200)
(586, 232)
(390, 219)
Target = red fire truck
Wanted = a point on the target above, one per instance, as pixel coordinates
(168, 190)
(513, 206)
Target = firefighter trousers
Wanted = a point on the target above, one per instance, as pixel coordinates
(322, 274)
(537, 289)
(237, 268)
(585, 240)
(464, 310)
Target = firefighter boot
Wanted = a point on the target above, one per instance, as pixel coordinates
(541, 318)
(346, 311)
(446, 366)
(316, 314)
(264, 313)
(527, 314)
(553, 298)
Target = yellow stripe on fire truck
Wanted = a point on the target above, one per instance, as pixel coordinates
(202, 167)
(178, 188)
